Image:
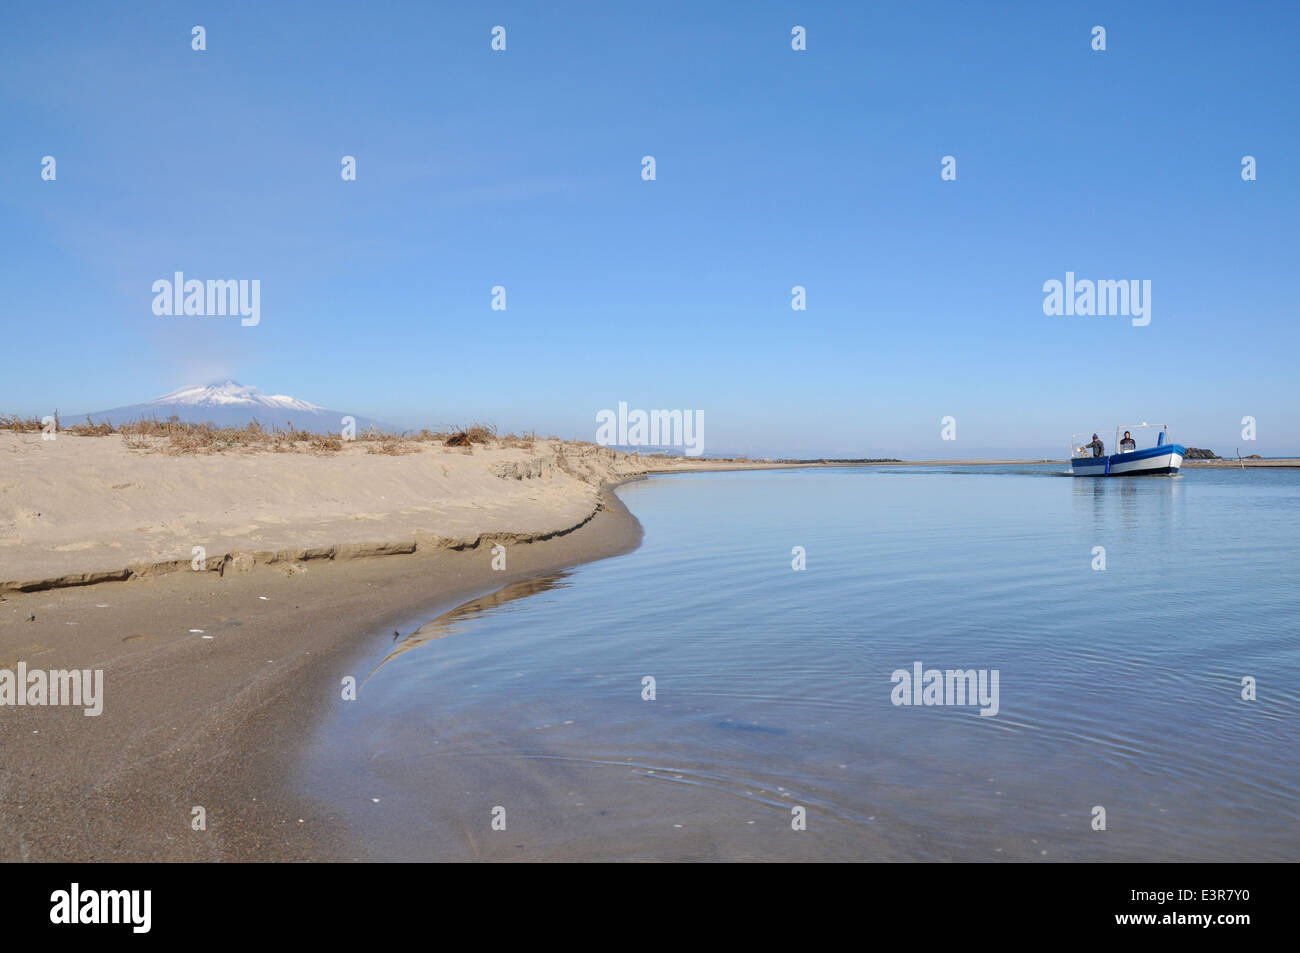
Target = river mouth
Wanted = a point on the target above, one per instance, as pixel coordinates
(701, 698)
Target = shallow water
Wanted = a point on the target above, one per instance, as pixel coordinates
(1119, 688)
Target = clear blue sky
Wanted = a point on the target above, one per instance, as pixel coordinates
(775, 168)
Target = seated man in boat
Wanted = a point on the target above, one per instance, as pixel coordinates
(1098, 448)
(1128, 444)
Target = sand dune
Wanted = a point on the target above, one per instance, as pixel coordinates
(77, 510)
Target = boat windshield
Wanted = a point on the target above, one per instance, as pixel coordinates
(1088, 443)
(1139, 437)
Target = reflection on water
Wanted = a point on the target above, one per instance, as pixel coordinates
(1119, 687)
(1131, 503)
(456, 620)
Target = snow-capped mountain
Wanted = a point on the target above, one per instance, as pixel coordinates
(232, 404)
(231, 394)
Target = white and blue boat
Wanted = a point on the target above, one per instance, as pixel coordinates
(1091, 459)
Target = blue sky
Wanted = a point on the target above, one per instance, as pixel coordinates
(775, 168)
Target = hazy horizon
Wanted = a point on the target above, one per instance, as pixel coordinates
(269, 418)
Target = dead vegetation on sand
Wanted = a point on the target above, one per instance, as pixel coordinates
(174, 436)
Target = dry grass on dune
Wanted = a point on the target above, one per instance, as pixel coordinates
(90, 429)
(20, 424)
(525, 441)
(175, 436)
(390, 444)
(468, 436)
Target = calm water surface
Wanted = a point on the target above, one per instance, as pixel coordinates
(1119, 688)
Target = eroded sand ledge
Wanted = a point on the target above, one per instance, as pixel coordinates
(84, 510)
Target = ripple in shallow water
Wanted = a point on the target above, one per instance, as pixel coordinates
(1120, 688)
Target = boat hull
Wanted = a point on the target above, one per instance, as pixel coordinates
(1153, 461)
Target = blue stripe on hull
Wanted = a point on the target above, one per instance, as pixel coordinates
(1101, 466)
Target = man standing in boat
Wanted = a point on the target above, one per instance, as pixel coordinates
(1098, 448)
(1128, 444)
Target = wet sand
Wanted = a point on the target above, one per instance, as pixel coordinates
(217, 723)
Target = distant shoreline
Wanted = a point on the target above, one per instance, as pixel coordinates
(1292, 462)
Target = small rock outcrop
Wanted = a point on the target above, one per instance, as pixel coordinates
(1196, 453)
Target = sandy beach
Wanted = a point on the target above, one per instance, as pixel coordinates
(212, 676)
(189, 721)
(78, 510)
